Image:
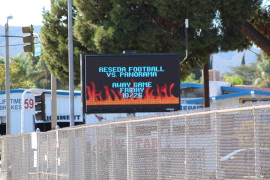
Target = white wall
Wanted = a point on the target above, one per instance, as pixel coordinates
(215, 87)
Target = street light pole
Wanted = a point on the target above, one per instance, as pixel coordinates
(8, 121)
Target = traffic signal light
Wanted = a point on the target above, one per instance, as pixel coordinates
(40, 113)
(29, 40)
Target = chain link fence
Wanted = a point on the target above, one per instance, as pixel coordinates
(206, 144)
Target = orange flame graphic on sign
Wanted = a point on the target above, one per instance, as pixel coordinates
(160, 95)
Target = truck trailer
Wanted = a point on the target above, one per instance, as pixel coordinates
(23, 111)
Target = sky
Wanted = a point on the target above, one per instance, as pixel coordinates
(24, 12)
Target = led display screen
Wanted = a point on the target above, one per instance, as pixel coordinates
(130, 83)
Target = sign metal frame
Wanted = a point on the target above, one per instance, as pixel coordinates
(128, 81)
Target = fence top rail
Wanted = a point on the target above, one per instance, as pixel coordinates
(178, 115)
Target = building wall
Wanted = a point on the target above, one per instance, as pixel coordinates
(215, 87)
(234, 101)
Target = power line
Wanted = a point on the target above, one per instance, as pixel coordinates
(14, 45)
(18, 44)
(254, 52)
(14, 36)
(11, 36)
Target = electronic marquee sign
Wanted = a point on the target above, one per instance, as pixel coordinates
(130, 83)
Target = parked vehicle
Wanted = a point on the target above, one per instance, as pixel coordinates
(241, 163)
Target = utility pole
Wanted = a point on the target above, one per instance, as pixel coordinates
(206, 85)
(186, 45)
(54, 101)
(53, 94)
(8, 120)
(71, 64)
(71, 87)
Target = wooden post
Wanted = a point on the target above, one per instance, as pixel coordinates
(206, 85)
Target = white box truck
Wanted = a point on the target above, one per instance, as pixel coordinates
(22, 111)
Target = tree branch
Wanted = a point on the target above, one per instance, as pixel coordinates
(256, 37)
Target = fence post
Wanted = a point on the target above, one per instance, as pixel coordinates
(217, 144)
(257, 174)
(129, 152)
(96, 154)
(72, 155)
(112, 146)
(186, 147)
(130, 137)
(158, 149)
(37, 131)
(57, 151)
(47, 156)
